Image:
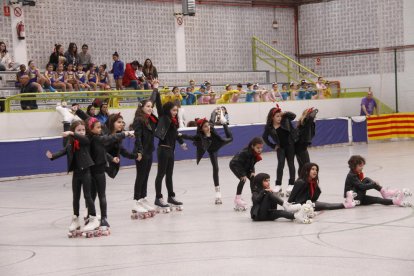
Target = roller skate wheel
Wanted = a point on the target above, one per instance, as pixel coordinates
(357, 202)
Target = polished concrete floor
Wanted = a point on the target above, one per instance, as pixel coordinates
(206, 239)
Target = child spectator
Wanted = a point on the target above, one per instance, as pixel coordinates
(21, 73)
(70, 78)
(103, 79)
(57, 56)
(118, 70)
(92, 77)
(60, 79)
(81, 77)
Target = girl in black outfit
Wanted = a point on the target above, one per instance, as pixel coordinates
(115, 124)
(77, 151)
(279, 127)
(242, 165)
(99, 156)
(144, 125)
(167, 134)
(307, 189)
(358, 183)
(265, 203)
(306, 131)
(207, 139)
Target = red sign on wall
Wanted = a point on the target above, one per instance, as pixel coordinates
(6, 10)
(318, 61)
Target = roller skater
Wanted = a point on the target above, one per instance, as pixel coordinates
(174, 204)
(391, 193)
(93, 229)
(74, 228)
(265, 202)
(144, 202)
(307, 191)
(242, 165)
(207, 139)
(358, 183)
(139, 211)
(283, 137)
(161, 206)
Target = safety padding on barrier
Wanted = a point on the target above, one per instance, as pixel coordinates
(28, 157)
(400, 125)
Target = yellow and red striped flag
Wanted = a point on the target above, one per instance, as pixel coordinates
(400, 125)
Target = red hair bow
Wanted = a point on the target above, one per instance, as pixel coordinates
(200, 122)
(276, 109)
(91, 122)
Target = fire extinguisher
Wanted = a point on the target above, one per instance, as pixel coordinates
(20, 30)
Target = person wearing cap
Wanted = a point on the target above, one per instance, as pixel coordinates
(250, 93)
(202, 95)
(368, 105)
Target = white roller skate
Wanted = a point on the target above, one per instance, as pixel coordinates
(148, 206)
(301, 216)
(289, 190)
(349, 200)
(311, 212)
(218, 196)
(291, 208)
(390, 193)
(399, 200)
(239, 204)
(175, 205)
(161, 206)
(74, 228)
(92, 228)
(138, 211)
(278, 190)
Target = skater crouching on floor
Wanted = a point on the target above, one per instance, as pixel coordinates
(99, 156)
(283, 135)
(307, 190)
(144, 125)
(358, 183)
(242, 165)
(207, 139)
(306, 131)
(167, 134)
(265, 203)
(77, 151)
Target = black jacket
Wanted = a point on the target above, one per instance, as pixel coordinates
(116, 149)
(165, 126)
(242, 164)
(98, 144)
(203, 143)
(80, 160)
(306, 131)
(285, 124)
(301, 192)
(144, 132)
(352, 183)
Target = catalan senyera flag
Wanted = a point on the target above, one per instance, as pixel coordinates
(400, 125)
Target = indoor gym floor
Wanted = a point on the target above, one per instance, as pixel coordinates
(206, 239)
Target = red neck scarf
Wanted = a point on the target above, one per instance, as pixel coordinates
(76, 145)
(360, 175)
(312, 186)
(151, 117)
(174, 121)
(257, 156)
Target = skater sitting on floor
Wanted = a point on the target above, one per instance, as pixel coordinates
(207, 139)
(283, 135)
(307, 190)
(306, 130)
(99, 157)
(144, 125)
(242, 165)
(116, 124)
(79, 161)
(265, 203)
(358, 183)
(167, 134)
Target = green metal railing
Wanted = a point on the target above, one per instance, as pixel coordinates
(284, 64)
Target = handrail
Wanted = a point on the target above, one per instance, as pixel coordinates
(255, 38)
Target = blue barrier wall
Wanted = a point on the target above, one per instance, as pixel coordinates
(28, 157)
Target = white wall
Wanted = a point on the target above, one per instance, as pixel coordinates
(26, 125)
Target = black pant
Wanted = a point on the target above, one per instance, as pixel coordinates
(165, 168)
(99, 187)
(328, 206)
(79, 178)
(214, 163)
(141, 181)
(368, 200)
(268, 209)
(302, 155)
(287, 153)
(241, 183)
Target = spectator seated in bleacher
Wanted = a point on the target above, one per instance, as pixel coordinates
(6, 60)
(104, 83)
(38, 79)
(130, 79)
(21, 73)
(57, 56)
(28, 87)
(149, 70)
(92, 77)
(84, 57)
(71, 54)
